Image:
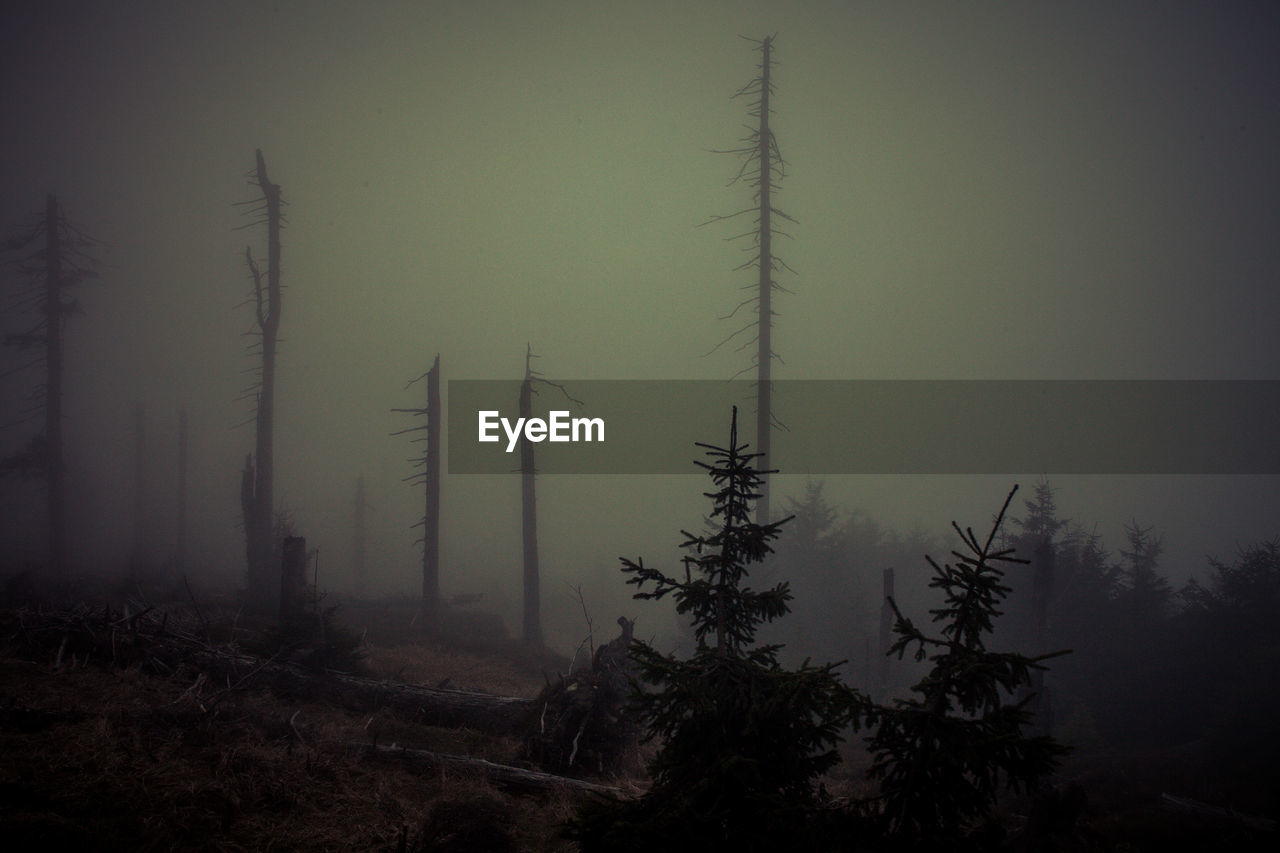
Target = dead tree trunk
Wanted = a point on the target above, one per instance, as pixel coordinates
(431, 518)
(252, 547)
(54, 459)
(532, 623)
(764, 345)
(503, 774)
(258, 500)
(886, 634)
(55, 256)
(359, 534)
(157, 638)
(430, 477)
(293, 580)
(500, 715)
(140, 548)
(1041, 706)
(583, 721)
(55, 465)
(763, 168)
(180, 542)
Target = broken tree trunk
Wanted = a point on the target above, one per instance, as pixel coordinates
(532, 619)
(359, 535)
(108, 637)
(765, 152)
(293, 579)
(260, 503)
(503, 774)
(583, 722)
(55, 463)
(500, 715)
(1041, 705)
(431, 518)
(1187, 806)
(180, 542)
(429, 608)
(64, 260)
(532, 623)
(140, 547)
(886, 634)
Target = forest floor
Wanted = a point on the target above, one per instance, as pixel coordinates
(96, 755)
(120, 754)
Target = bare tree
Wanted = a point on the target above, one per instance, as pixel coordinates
(431, 514)
(359, 531)
(762, 168)
(532, 621)
(53, 256)
(180, 547)
(429, 477)
(257, 483)
(141, 548)
(886, 635)
(531, 627)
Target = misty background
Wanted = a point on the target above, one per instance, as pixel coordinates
(995, 191)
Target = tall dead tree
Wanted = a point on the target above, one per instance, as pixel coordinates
(257, 483)
(359, 532)
(1038, 529)
(531, 629)
(431, 516)
(53, 255)
(180, 546)
(55, 464)
(1041, 705)
(429, 477)
(531, 624)
(886, 634)
(140, 545)
(293, 579)
(762, 168)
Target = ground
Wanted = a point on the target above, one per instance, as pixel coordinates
(125, 757)
(105, 747)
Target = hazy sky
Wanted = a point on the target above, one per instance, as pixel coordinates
(983, 190)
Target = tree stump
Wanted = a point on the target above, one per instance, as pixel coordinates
(583, 723)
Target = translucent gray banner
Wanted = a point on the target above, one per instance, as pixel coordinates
(877, 426)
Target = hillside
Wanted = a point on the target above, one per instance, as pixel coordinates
(138, 754)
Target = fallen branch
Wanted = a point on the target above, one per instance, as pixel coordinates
(1185, 805)
(436, 706)
(171, 649)
(503, 774)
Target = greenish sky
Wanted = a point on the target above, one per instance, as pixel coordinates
(983, 190)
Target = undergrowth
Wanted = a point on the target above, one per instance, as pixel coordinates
(107, 757)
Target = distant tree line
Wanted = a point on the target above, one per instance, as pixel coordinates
(1152, 667)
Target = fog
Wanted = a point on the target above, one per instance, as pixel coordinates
(1023, 191)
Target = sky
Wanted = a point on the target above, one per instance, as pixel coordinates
(1059, 190)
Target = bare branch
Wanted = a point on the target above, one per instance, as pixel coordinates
(257, 286)
(720, 218)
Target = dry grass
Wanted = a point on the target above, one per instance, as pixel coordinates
(120, 758)
(107, 757)
(433, 666)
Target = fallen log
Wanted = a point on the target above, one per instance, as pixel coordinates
(1188, 806)
(500, 715)
(583, 721)
(107, 637)
(503, 774)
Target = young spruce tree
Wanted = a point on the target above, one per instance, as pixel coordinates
(942, 755)
(742, 739)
